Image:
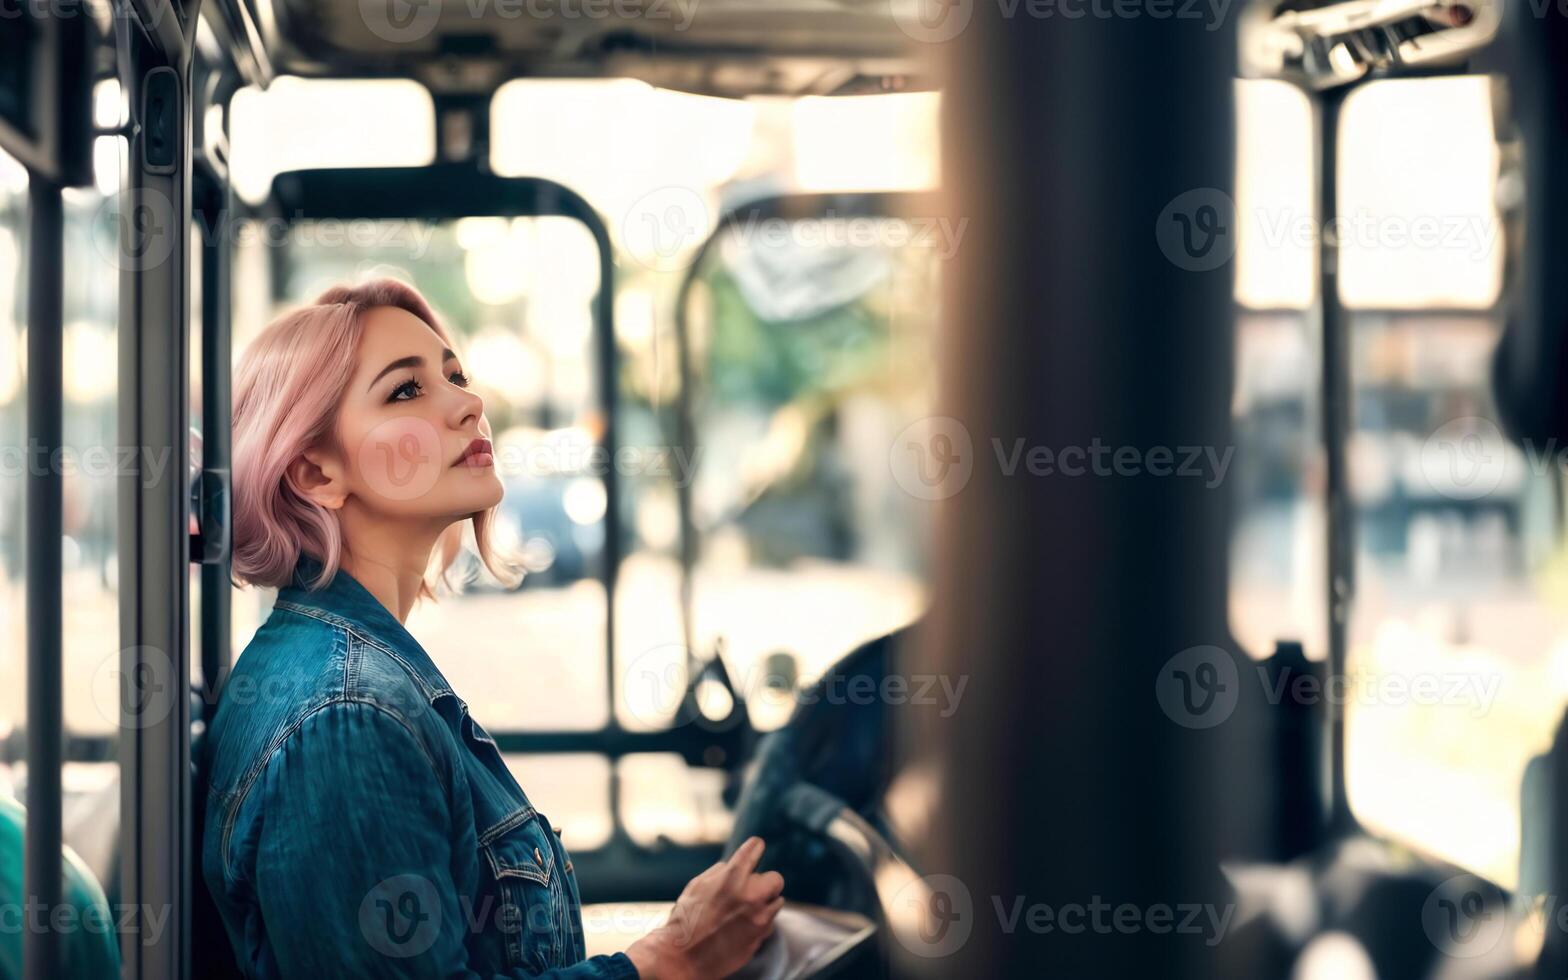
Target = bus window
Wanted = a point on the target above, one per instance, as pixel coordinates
(1278, 534)
(632, 150)
(881, 142)
(807, 541)
(303, 122)
(812, 345)
(89, 464)
(92, 262)
(651, 812)
(1419, 227)
(1456, 636)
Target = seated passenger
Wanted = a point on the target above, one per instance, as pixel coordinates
(88, 946)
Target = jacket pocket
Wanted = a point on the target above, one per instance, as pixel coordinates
(532, 910)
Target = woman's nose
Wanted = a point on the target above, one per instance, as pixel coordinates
(466, 405)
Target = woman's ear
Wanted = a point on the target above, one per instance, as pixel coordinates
(318, 475)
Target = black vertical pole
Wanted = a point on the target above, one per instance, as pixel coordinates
(1077, 314)
(216, 320)
(45, 404)
(154, 416)
(1337, 426)
(65, 52)
(609, 404)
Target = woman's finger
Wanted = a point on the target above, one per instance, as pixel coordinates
(744, 860)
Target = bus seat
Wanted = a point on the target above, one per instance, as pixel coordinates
(90, 952)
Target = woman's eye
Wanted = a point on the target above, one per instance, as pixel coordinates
(460, 379)
(411, 386)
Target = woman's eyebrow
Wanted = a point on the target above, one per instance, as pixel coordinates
(412, 360)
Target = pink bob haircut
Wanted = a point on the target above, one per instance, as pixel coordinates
(287, 389)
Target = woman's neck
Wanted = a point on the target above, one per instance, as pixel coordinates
(390, 563)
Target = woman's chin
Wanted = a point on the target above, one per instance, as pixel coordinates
(482, 492)
(460, 493)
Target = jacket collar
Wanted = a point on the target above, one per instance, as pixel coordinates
(346, 603)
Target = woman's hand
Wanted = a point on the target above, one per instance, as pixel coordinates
(721, 918)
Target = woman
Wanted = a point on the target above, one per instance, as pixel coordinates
(360, 823)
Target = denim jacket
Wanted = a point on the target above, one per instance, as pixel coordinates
(361, 823)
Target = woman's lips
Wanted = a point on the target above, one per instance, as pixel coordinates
(478, 453)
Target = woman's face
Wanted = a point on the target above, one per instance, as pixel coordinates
(406, 421)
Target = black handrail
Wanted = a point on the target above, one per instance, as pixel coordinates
(57, 154)
(45, 717)
(1337, 426)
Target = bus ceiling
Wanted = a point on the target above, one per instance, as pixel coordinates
(737, 48)
(734, 49)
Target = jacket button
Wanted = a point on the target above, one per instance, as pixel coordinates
(538, 858)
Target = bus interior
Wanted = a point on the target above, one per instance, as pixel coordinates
(788, 318)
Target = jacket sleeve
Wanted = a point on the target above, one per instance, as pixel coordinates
(354, 857)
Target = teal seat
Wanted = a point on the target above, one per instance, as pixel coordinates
(91, 948)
